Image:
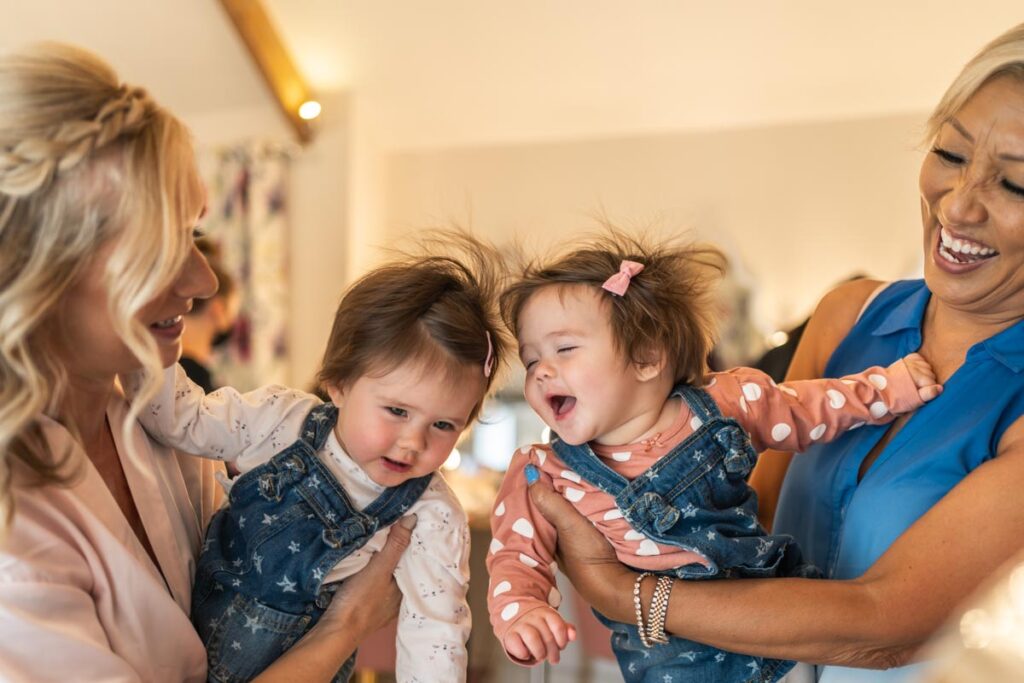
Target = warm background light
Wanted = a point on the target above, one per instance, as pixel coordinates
(453, 461)
(309, 110)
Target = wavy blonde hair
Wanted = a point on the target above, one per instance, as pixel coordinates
(84, 161)
(1002, 56)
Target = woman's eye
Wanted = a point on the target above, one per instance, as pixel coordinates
(445, 426)
(947, 156)
(1014, 188)
(397, 412)
(198, 233)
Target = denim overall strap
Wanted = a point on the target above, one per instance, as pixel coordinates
(583, 461)
(395, 501)
(346, 528)
(740, 455)
(318, 425)
(700, 402)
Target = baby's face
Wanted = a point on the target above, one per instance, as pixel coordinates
(577, 381)
(404, 424)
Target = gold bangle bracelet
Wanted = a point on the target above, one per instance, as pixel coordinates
(658, 610)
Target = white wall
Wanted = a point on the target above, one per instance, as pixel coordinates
(797, 206)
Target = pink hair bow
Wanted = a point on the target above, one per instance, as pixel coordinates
(618, 284)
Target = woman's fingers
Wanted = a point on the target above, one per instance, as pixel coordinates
(577, 537)
(585, 556)
(370, 598)
(399, 538)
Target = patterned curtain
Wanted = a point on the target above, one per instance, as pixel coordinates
(248, 219)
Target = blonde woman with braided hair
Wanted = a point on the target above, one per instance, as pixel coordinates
(99, 199)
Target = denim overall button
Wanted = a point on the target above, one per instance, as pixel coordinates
(737, 448)
(268, 487)
(653, 507)
(350, 530)
(294, 462)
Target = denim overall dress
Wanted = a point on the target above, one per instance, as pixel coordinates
(259, 581)
(695, 497)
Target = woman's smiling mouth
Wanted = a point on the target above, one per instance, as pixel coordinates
(961, 251)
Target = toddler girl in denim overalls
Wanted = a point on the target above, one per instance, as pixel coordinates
(652, 449)
(407, 366)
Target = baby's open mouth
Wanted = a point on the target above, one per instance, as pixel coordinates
(960, 250)
(395, 465)
(561, 405)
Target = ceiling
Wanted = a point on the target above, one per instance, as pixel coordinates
(453, 72)
(184, 51)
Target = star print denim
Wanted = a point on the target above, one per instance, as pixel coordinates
(695, 497)
(259, 581)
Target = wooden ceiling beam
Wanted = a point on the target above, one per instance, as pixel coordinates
(268, 51)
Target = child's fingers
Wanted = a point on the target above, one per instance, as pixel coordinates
(559, 629)
(572, 632)
(930, 393)
(921, 371)
(551, 645)
(515, 646)
(534, 642)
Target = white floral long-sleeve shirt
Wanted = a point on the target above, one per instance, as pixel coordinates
(248, 429)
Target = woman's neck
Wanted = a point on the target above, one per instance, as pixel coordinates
(197, 342)
(84, 409)
(948, 333)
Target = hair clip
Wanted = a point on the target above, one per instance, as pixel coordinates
(619, 282)
(489, 361)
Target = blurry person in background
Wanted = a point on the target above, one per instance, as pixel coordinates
(210, 323)
(775, 361)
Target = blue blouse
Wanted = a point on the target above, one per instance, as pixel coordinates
(844, 525)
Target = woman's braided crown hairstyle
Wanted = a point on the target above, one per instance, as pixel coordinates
(84, 161)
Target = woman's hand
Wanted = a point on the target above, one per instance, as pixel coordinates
(586, 557)
(364, 602)
(369, 599)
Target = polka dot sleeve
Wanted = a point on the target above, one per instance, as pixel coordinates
(793, 415)
(521, 558)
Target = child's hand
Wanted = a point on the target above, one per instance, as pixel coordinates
(923, 375)
(539, 634)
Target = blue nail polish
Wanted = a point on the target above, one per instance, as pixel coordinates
(532, 475)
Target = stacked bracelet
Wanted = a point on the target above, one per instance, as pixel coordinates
(654, 632)
(659, 608)
(639, 612)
